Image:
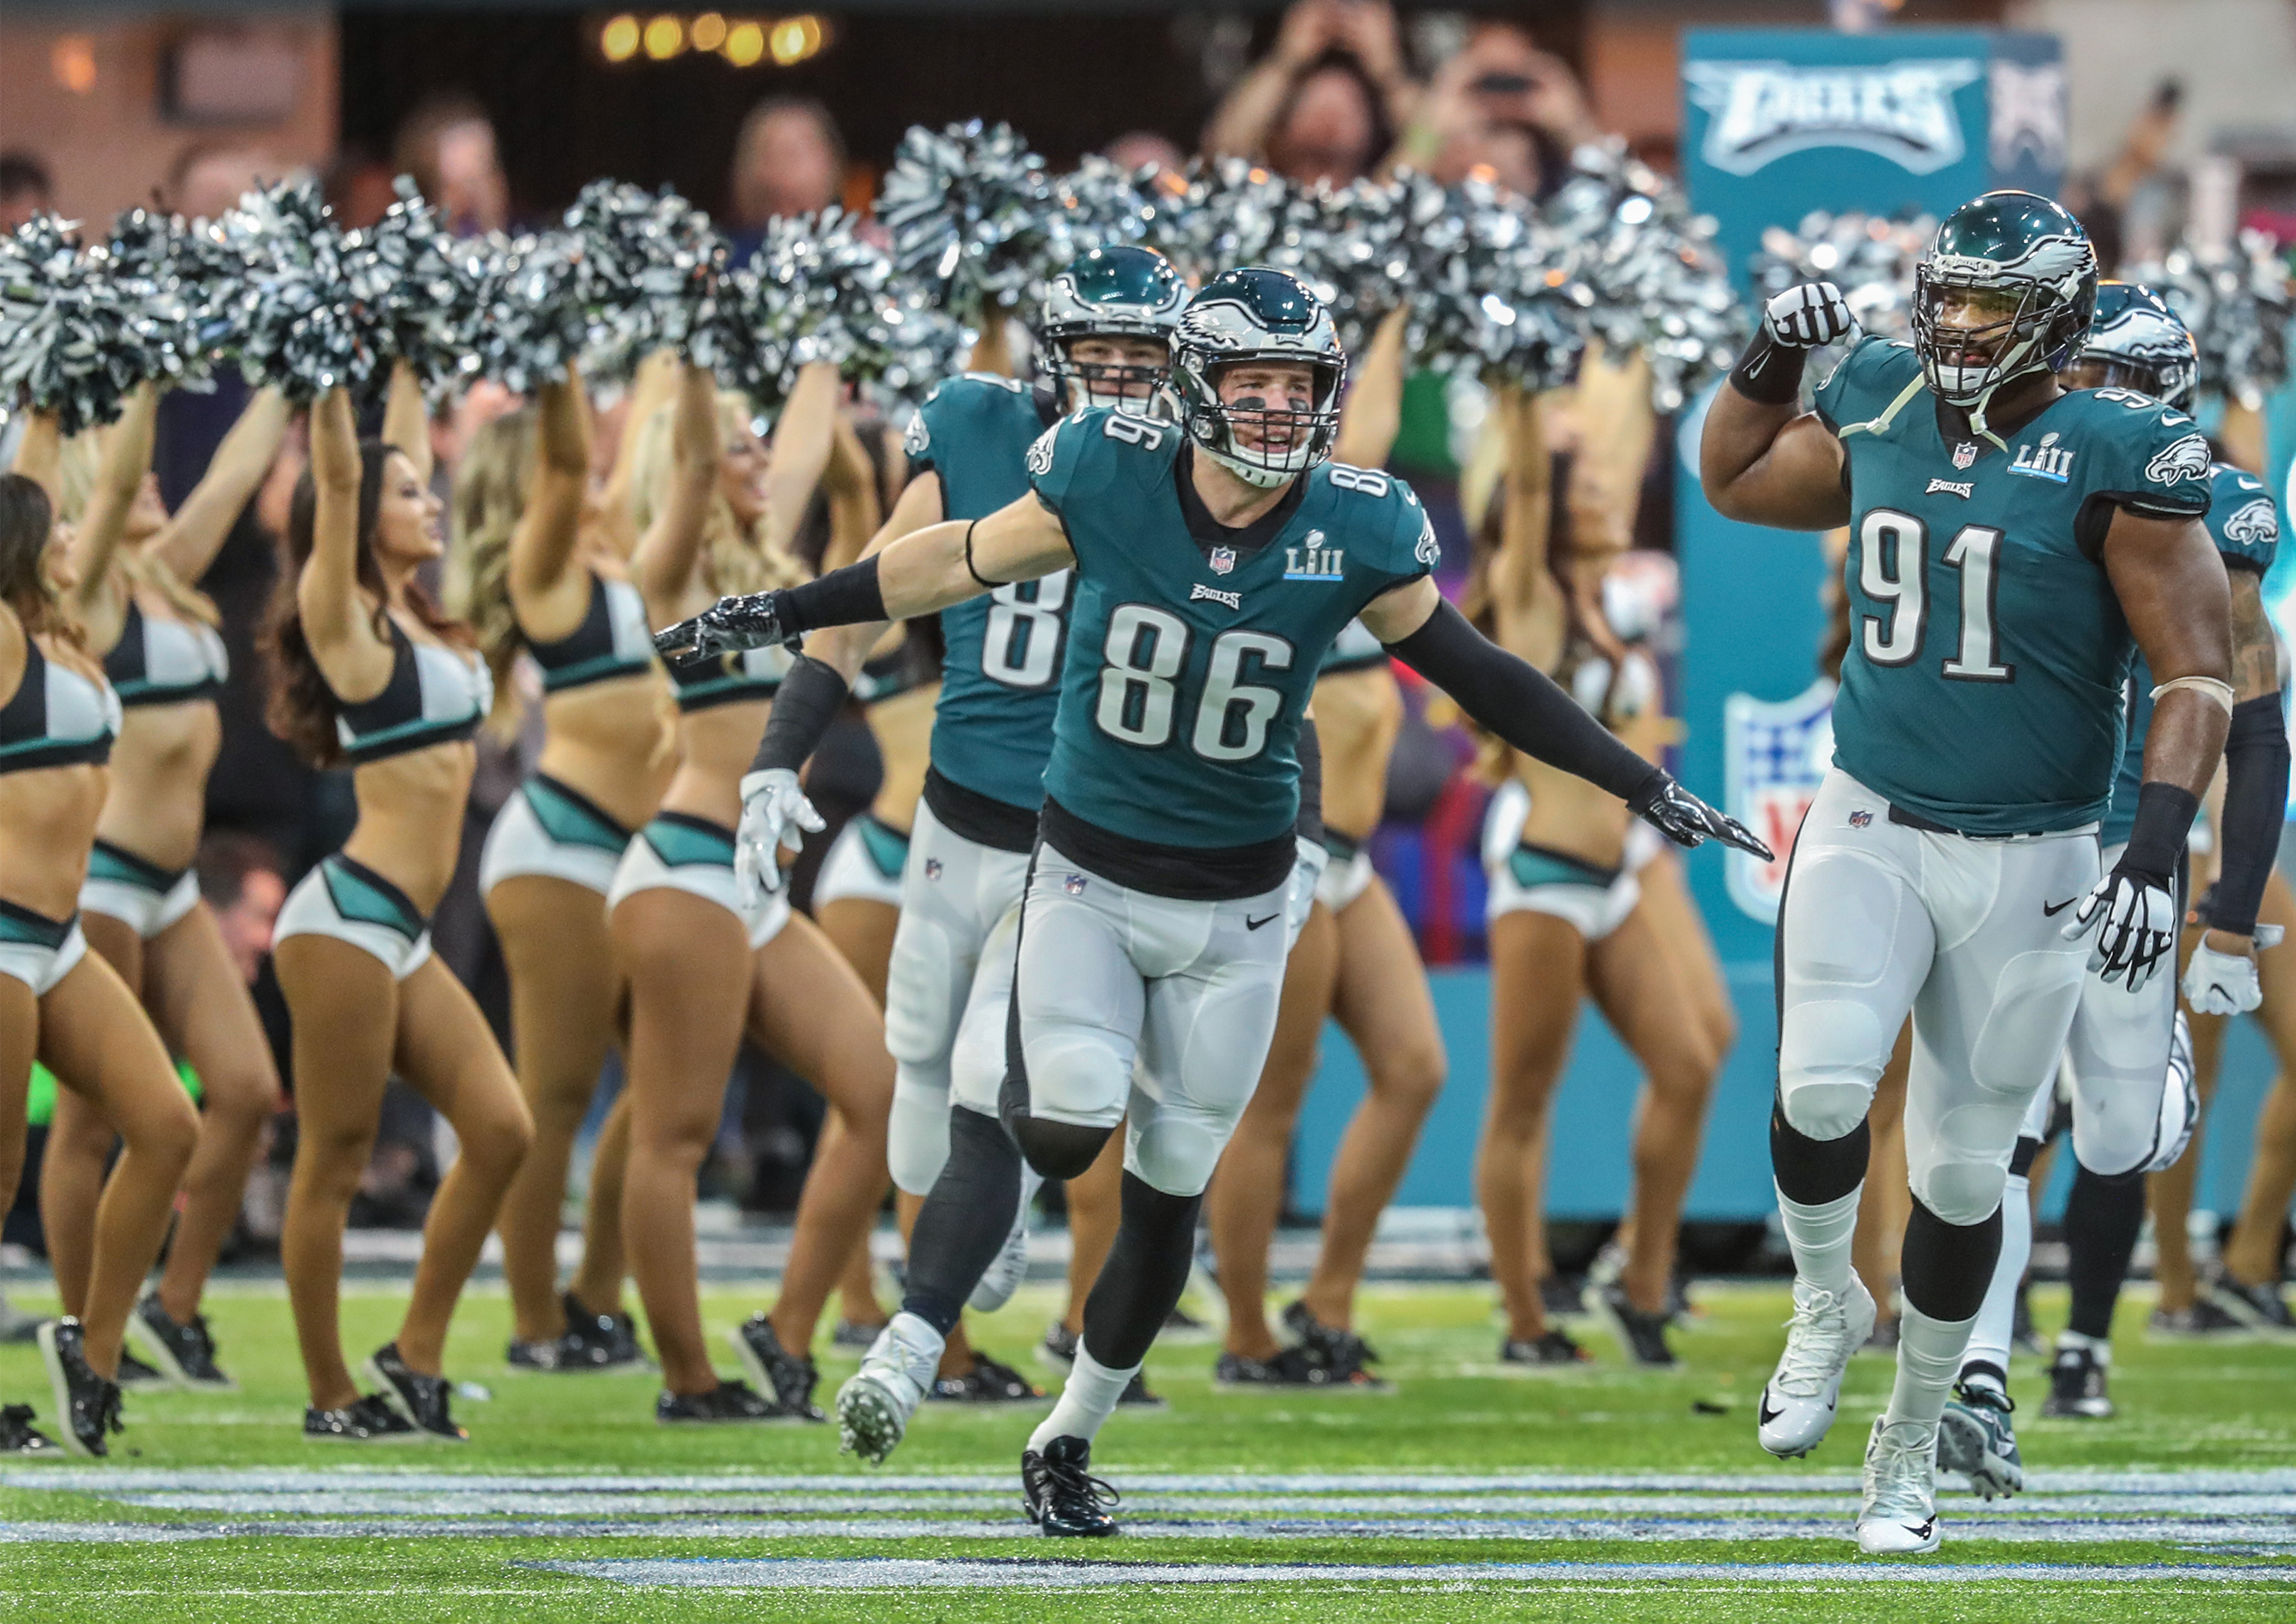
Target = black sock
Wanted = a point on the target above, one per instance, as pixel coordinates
(964, 1221)
(1946, 1268)
(1810, 1171)
(2102, 1219)
(1146, 1271)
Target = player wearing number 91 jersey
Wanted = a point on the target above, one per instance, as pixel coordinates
(1214, 563)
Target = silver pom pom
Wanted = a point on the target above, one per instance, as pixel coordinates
(78, 332)
(427, 293)
(536, 322)
(1492, 291)
(1869, 257)
(298, 310)
(970, 211)
(652, 270)
(2235, 300)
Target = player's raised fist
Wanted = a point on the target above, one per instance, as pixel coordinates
(1808, 315)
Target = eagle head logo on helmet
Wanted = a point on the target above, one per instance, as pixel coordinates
(1257, 315)
(2025, 270)
(1121, 292)
(2136, 342)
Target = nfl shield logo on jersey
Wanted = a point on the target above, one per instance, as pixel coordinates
(1073, 885)
(932, 868)
(1223, 560)
(1776, 755)
(1965, 454)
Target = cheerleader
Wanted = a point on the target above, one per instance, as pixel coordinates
(367, 671)
(708, 957)
(1578, 908)
(140, 907)
(59, 1002)
(542, 570)
(1356, 962)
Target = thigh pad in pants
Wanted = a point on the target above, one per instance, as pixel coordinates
(953, 892)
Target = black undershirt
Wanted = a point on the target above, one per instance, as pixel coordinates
(1186, 874)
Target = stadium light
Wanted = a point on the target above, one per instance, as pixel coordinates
(745, 45)
(665, 37)
(617, 41)
(707, 32)
(796, 39)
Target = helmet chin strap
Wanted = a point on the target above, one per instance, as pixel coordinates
(1976, 409)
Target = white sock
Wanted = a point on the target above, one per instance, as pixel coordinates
(1820, 1236)
(1996, 1319)
(1929, 1357)
(1088, 1398)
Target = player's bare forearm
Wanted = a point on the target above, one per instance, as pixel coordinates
(846, 648)
(1771, 465)
(943, 564)
(2173, 589)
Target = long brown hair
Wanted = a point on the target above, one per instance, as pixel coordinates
(490, 500)
(26, 519)
(301, 709)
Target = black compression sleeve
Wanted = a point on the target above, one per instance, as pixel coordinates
(808, 700)
(2255, 803)
(2164, 817)
(1310, 827)
(1520, 703)
(1769, 372)
(849, 597)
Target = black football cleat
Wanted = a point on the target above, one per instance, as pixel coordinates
(370, 1420)
(1062, 1497)
(421, 1399)
(788, 1378)
(87, 1404)
(728, 1402)
(1554, 1350)
(988, 1381)
(183, 1350)
(19, 1438)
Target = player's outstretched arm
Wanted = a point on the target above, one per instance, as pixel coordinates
(2173, 589)
(2222, 980)
(1761, 460)
(1524, 706)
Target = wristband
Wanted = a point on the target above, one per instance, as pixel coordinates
(807, 703)
(2164, 817)
(1769, 372)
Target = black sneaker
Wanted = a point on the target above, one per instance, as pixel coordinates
(421, 1399)
(1344, 1356)
(183, 1350)
(2203, 1320)
(1562, 1296)
(1182, 1327)
(2259, 1308)
(86, 1403)
(2022, 1337)
(1553, 1351)
(728, 1401)
(370, 1420)
(1640, 1336)
(19, 1436)
(543, 1355)
(599, 1341)
(1060, 1497)
(854, 1337)
(135, 1372)
(1059, 1347)
(2077, 1386)
(775, 1369)
(988, 1381)
(1136, 1396)
(1291, 1367)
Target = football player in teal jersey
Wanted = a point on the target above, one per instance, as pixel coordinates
(2134, 1103)
(2007, 540)
(1105, 328)
(1213, 562)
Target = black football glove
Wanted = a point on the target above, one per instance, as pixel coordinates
(1687, 821)
(750, 620)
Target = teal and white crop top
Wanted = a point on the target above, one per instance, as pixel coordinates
(711, 680)
(162, 661)
(435, 695)
(56, 718)
(613, 640)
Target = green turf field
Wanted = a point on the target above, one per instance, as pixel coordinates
(1467, 1493)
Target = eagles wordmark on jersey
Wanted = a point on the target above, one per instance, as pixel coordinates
(1193, 649)
(1982, 686)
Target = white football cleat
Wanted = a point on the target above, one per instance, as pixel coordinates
(1798, 1402)
(874, 1406)
(1899, 1514)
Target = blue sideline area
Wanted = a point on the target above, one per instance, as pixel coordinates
(1588, 1172)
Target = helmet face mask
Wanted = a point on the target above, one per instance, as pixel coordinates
(2136, 342)
(1244, 317)
(2006, 290)
(1121, 292)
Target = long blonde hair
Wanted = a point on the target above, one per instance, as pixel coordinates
(734, 558)
(490, 486)
(78, 462)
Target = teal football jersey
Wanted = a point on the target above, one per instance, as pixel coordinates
(1983, 688)
(2246, 527)
(1000, 676)
(1189, 662)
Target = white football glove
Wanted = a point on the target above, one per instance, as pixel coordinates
(2135, 922)
(2225, 983)
(1306, 873)
(773, 810)
(1808, 315)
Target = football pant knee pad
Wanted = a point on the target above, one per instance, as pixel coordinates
(917, 1138)
(1174, 1150)
(1960, 1190)
(1825, 1102)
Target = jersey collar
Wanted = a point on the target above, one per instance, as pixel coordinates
(1210, 532)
